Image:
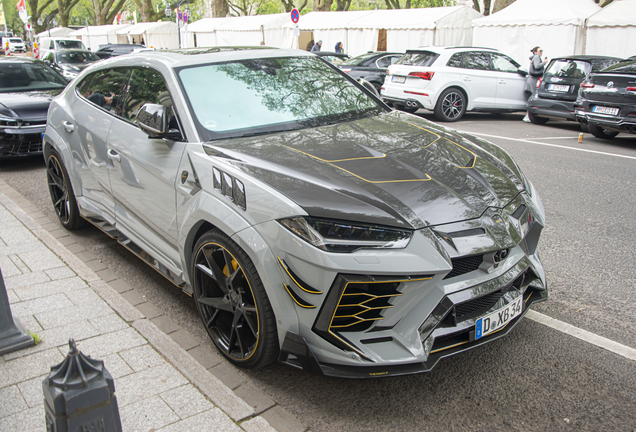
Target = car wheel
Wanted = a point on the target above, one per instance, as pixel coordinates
(537, 120)
(232, 302)
(61, 192)
(407, 109)
(451, 105)
(599, 132)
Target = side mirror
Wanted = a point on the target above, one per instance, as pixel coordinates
(154, 120)
(370, 87)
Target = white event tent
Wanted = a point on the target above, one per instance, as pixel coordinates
(245, 30)
(558, 26)
(612, 30)
(60, 32)
(162, 34)
(94, 36)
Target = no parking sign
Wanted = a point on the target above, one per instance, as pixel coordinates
(295, 17)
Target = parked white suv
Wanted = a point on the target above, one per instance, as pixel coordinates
(452, 80)
(14, 44)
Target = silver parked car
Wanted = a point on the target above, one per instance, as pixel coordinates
(310, 223)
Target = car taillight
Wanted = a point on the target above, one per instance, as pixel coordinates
(424, 75)
(539, 82)
(346, 70)
(631, 89)
(587, 85)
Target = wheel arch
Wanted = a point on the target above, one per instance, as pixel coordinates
(461, 89)
(53, 141)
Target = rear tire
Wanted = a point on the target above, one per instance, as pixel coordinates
(599, 132)
(451, 105)
(537, 120)
(232, 302)
(62, 194)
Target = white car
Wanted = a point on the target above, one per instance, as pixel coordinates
(14, 44)
(453, 80)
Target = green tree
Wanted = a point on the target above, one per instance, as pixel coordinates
(106, 10)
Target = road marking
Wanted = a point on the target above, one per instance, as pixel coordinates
(584, 335)
(553, 145)
(568, 138)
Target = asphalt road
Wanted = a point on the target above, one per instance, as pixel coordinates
(536, 378)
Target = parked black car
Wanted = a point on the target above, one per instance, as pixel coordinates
(607, 101)
(371, 66)
(69, 63)
(332, 57)
(113, 50)
(559, 86)
(26, 89)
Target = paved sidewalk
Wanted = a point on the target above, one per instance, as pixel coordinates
(159, 386)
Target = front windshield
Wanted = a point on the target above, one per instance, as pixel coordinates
(272, 94)
(568, 69)
(76, 57)
(27, 76)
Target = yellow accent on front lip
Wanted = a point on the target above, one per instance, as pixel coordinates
(332, 163)
(452, 142)
(295, 281)
(296, 301)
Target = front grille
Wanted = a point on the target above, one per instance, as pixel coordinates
(362, 303)
(464, 265)
(477, 306)
(21, 144)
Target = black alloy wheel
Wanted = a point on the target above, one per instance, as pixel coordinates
(451, 105)
(599, 132)
(62, 194)
(232, 302)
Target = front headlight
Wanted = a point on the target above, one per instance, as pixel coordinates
(341, 236)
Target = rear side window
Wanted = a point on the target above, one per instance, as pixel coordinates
(476, 60)
(455, 60)
(103, 88)
(418, 58)
(568, 69)
(600, 64)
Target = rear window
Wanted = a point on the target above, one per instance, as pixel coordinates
(568, 69)
(418, 58)
(357, 60)
(600, 64)
(626, 67)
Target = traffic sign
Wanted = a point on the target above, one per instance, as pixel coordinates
(295, 16)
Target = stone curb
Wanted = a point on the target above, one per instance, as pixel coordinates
(235, 407)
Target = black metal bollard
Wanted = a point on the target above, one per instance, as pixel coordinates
(12, 335)
(79, 396)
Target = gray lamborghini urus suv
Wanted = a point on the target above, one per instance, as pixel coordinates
(310, 223)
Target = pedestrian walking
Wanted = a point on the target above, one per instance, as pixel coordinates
(317, 46)
(339, 48)
(535, 71)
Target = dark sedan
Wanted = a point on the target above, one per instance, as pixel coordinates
(371, 66)
(559, 87)
(607, 101)
(26, 89)
(69, 63)
(114, 50)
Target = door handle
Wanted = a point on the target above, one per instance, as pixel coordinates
(502, 81)
(70, 127)
(466, 79)
(113, 155)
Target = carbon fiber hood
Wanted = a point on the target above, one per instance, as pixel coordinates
(393, 169)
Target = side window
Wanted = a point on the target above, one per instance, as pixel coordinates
(383, 62)
(455, 60)
(84, 85)
(105, 89)
(503, 63)
(146, 86)
(476, 60)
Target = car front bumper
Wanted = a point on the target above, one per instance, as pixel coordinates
(21, 142)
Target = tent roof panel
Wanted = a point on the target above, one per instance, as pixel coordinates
(254, 22)
(209, 25)
(541, 12)
(154, 27)
(424, 18)
(99, 30)
(327, 20)
(617, 13)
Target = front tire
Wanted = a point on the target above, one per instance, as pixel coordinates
(451, 105)
(62, 194)
(232, 302)
(599, 132)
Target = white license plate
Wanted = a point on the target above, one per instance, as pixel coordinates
(604, 110)
(398, 79)
(498, 319)
(559, 88)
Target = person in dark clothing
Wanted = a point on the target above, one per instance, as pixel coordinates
(317, 46)
(339, 48)
(535, 71)
(101, 100)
